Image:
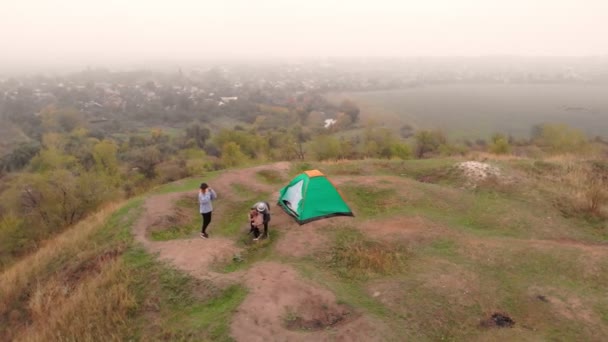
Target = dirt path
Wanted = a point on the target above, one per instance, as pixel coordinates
(280, 305)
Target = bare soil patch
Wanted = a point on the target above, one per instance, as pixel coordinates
(566, 304)
(178, 217)
(280, 305)
(499, 320)
(388, 292)
(300, 241)
(459, 285)
(280, 301)
(403, 228)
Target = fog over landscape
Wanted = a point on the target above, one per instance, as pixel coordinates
(73, 34)
(378, 170)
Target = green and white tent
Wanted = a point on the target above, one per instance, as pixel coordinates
(311, 196)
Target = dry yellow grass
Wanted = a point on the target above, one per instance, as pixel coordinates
(32, 271)
(588, 188)
(354, 256)
(72, 239)
(96, 310)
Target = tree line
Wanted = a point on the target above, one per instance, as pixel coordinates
(52, 183)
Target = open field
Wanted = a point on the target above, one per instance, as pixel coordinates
(478, 110)
(425, 258)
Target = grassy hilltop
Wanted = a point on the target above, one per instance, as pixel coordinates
(430, 255)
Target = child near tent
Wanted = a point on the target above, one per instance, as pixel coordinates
(260, 212)
(256, 220)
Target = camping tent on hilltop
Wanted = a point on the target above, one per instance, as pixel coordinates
(311, 196)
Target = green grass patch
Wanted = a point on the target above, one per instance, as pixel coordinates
(269, 176)
(297, 168)
(345, 168)
(443, 247)
(352, 293)
(187, 184)
(371, 201)
(182, 307)
(234, 218)
(117, 229)
(186, 222)
(242, 190)
(174, 232)
(213, 317)
(348, 291)
(353, 256)
(252, 252)
(602, 309)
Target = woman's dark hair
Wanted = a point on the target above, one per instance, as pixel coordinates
(204, 186)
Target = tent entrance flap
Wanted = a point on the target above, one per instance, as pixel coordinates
(293, 197)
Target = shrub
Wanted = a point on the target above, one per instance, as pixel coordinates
(401, 151)
(172, 170)
(500, 144)
(587, 194)
(559, 138)
(353, 256)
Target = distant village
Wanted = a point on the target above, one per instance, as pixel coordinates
(99, 92)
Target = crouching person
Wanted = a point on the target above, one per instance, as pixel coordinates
(262, 212)
(256, 221)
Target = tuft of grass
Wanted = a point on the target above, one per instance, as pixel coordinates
(253, 251)
(213, 317)
(175, 306)
(415, 168)
(345, 168)
(174, 232)
(186, 184)
(269, 176)
(371, 201)
(242, 190)
(444, 247)
(350, 292)
(355, 257)
(297, 168)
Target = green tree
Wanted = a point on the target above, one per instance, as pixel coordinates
(52, 159)
(199, 134)
(232, 154)
(104, 154)
(58, 198)
(428, 142)
(406, 131)
(61, 120)
(146, 159)
(377, 142)
(560, 138)
(19, 157)
(250, 144)
(326, 147)
(401, 151)
(500, 144)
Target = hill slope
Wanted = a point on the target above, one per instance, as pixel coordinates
(422, 261)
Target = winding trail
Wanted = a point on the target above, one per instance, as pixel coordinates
(276, 290)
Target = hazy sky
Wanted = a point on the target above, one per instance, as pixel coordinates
(48, 32)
